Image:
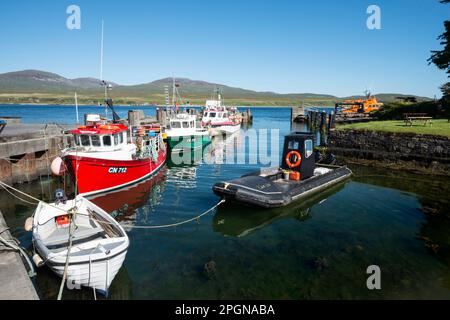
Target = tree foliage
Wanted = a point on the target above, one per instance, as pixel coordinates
(441, 58)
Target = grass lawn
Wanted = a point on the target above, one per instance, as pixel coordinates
(440, 127)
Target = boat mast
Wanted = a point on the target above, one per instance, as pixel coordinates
(104, 84)
(76, 108)
(173, 91)
(101, 54)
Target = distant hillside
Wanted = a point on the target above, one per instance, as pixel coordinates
(40, 86)
(31, 81)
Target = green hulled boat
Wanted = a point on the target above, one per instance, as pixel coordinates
(183, 134)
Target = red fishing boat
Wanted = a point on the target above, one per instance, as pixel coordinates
(109, 156)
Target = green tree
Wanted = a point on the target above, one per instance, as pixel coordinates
(441, 58)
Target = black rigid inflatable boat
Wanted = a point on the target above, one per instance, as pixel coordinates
(297, 178)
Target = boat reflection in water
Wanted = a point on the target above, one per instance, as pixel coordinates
(183, 177)
(224, 146)
(239, 221)
(123, 204)
(182, 172)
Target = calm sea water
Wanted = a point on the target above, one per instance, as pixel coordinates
(317, 249)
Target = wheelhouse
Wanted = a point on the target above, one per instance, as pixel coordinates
(104, 137)
(214, 114)
(182, 123)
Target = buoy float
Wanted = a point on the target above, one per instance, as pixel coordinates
(29, 224)
(58, 167)
(38, 261)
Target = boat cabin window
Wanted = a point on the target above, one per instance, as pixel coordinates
(192, 124)
(95, 140)
(308, 148)
(175, 124)
(293, 145)
(85, 141)
(185, 124)
(212, 115)
(77, 140)
(116, 139)
(121, 137)
(107, 141)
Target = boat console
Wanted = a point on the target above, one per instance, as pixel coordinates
(298, 154)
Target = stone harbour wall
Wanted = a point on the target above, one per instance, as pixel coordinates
(414, 150)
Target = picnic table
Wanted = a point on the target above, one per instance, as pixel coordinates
(411, 117)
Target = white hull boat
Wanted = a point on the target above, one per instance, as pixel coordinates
(99, 243)
(222, 119)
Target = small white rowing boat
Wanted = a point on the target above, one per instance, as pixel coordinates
(99, 243)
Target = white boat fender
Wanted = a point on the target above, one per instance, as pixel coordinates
(38, 261)
(58, 167)
(29, 224)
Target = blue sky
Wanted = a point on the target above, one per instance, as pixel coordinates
(320, 46)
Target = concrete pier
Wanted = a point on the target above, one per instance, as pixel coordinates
(27, 150)
(298, 113)
(14, 279)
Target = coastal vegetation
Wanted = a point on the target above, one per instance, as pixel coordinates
(396, 110)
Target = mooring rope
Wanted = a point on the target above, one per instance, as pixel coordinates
(181, 222)
(16, 196)
(4, 185)
(21, 251)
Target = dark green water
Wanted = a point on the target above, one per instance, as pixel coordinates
(318, 249)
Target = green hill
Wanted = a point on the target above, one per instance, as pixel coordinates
(34, 86)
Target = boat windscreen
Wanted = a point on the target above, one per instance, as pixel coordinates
(293, 145)
(95, 140)
(107, 141)
(85, 141)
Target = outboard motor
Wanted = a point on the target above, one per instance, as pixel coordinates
(298, 154)
(60, 196)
